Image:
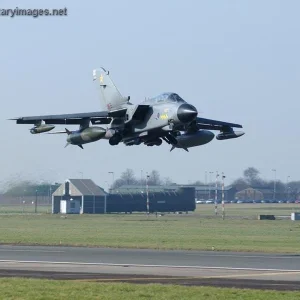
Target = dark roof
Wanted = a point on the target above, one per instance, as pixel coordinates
(263, 189)
(164, 188)
(87, 187)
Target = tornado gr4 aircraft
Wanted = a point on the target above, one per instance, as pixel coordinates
(166, 117)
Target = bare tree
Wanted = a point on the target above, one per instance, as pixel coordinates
(198, 182)
(240, 184)
(251, 175)
(167, 181)
(154, 178)
(128, 177)
(29, 188)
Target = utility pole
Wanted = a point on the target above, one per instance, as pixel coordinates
(35, 203)
(223, 205)
(206, 187)
(209, 184)
(147, 191)
(216, 194)
(287, 188)
(113, 180)
(50, 193)
(274, 192)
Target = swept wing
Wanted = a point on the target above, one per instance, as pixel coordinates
(101, 117)
(203, 123)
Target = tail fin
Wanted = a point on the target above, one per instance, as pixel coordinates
(111, 97)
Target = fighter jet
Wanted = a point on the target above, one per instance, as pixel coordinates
(164, 118)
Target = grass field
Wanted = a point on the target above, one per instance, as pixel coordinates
(192, 231)
(247, 210)
(19, 209)
(31, 289)
(250, 210)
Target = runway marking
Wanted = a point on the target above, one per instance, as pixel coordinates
(27, 250)
(251, 275)
(137, 278)
(214, 254)
(245, 256)
(185, 277)
(141, 265)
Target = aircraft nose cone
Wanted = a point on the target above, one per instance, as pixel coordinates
(186, 113)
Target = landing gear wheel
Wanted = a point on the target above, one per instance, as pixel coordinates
(159, 142)
(115, 139)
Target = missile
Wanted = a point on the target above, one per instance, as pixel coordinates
(229, 135)
(41, 128)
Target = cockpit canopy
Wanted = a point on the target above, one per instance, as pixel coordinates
(168, 97)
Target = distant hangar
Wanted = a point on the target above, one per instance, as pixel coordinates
(83, 196)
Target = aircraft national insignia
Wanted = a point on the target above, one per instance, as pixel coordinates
(101, 78)
(164, 116)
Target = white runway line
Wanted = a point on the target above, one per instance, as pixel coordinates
(141, 265)
(242, 256)
(27, 250)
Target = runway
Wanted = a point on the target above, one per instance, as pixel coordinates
(255, 270)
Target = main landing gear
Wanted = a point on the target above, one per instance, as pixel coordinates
(156, 142)
(115, 139)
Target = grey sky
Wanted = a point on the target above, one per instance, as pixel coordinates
(236, 61)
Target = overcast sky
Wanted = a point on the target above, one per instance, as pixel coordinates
(236, 61)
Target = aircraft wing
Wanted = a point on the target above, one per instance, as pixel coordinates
(203, 123)
(101, 117)
(225, 128)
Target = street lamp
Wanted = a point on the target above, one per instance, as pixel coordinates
(223, 206)
(209, 184)
(206, 187)
(147, 191)
(274, 192)
(113, 178)
(216, 194)
(35, 204)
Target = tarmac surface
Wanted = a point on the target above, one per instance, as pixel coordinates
(243, 270)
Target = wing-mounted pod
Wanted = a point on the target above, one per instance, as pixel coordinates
(40, 128)
(228, 133)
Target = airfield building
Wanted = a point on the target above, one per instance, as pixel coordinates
(84, 196)
(78, 196)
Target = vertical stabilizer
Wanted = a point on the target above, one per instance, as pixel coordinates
(110, 95)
